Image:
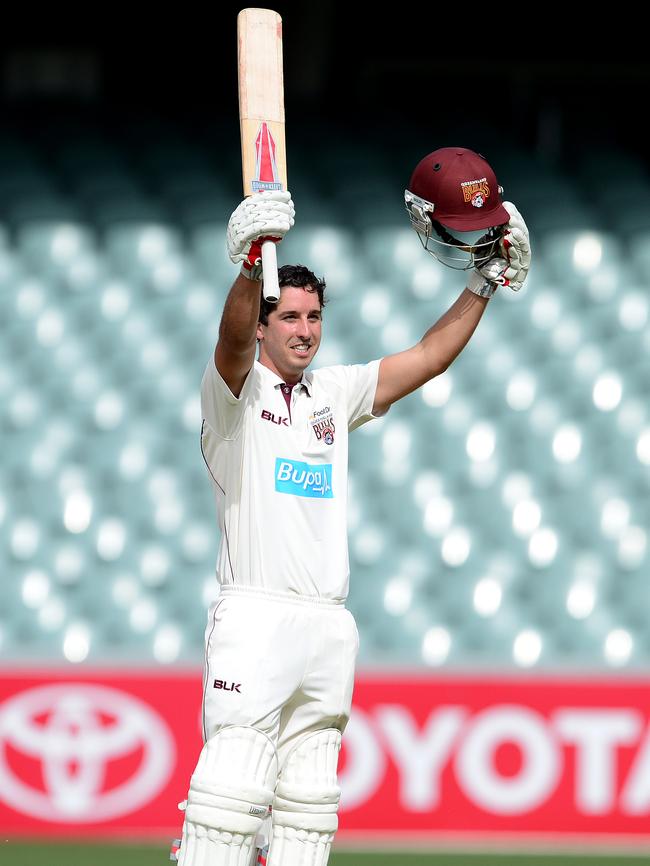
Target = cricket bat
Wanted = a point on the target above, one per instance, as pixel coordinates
(261, 117)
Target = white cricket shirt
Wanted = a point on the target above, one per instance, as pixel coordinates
(280, 476)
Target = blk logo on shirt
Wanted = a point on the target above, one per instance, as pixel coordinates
(270, 416)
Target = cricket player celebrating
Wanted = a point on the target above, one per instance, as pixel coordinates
(280, 644)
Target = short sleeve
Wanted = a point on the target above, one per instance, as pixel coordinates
(219, 406)
(361, 387)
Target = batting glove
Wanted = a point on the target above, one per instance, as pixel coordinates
(515, 248)
(263, 216)
(510, 267)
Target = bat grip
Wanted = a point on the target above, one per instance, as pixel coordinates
(270, 287)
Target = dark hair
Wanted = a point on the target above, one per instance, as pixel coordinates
(300, 277)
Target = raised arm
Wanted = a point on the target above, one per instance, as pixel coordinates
(234, 353)
(402, 373)
(262, 216)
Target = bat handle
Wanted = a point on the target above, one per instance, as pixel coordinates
(270, 287)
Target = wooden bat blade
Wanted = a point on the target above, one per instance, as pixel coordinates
(261, 100)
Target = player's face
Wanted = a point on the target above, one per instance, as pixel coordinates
(292, 337)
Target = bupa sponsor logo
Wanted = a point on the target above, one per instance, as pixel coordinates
(64, 749)
(303, 479)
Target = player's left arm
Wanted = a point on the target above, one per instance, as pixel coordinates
(406, 371)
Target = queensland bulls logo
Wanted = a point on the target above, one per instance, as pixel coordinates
(476, 191)
(322, 423)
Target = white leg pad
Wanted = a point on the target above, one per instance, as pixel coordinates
(230, 793)
(306, 802)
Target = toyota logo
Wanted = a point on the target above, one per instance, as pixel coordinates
(85, 753)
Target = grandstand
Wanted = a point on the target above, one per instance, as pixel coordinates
(499, 516)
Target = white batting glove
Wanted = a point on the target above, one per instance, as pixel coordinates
(263, 216)
(484, 281)
(510, 267)
(515, 249)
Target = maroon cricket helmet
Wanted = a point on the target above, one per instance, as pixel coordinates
(462, 188)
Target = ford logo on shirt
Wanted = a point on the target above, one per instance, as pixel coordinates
(303, 479)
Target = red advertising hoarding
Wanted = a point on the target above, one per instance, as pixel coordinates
(424, 757)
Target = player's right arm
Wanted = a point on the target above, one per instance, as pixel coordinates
(262, 216)
(234, 353)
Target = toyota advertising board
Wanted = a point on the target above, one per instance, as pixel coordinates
(437, 758)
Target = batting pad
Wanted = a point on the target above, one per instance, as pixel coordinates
(306, 802)
(229, 797)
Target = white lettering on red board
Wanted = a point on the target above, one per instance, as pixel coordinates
(585, 740)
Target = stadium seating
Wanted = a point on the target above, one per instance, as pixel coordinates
(497, 516)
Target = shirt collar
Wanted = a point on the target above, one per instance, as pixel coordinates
(305, 382)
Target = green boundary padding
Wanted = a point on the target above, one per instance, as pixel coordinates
(61, 854)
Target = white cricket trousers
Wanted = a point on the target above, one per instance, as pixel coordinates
(280, 663)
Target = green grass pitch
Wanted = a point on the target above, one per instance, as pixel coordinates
(58, 854)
